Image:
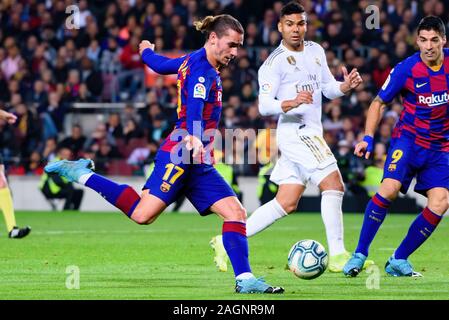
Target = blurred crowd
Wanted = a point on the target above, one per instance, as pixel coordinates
(46, 66)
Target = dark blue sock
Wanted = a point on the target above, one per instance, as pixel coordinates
(421, 229)
(121, 196)
(375, 213)
(236, 245)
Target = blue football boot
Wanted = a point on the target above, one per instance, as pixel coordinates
(400, 268)
(71, 170)
(255, 285)
(354, 265)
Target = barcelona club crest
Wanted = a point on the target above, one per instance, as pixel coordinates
(165, 187)
(392, 167)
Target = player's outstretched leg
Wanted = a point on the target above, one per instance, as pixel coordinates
(236, 243)
(375, 213)
(332, 215)
(121, 196)
(259, 220)
(420, 230)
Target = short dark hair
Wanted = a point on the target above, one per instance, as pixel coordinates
(291, 8)
(432, 23)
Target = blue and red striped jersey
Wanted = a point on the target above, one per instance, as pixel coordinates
(425, 97)
(199, 101)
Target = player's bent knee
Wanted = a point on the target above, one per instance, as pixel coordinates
(240, 214)
(389, 191)
(288, 206)
(439, 206)
(142, 218)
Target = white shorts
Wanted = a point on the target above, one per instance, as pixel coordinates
(303, 159)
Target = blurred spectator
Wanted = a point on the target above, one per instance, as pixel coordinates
(27, 130)
(92, 78)
(266, 26)
(50, 149)
(35, 165)
(351, 167)
(333, 121)
(10, 65)
(99, 136)
(71, 90)
(383, 135)
(131, 130)
(54, 186)
(373, 175)
(114, 125)
(105, 153)
(130, 113)
(382, 70)
(143, 155)
(131, 61)
(75, 141)
(110, 57)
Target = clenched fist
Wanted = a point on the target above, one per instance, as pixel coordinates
(145, 44)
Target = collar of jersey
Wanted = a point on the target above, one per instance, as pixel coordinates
(288, 50)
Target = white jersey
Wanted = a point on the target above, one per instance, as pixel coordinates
(284, 74)
(305, 155)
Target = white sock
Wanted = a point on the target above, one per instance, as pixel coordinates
(332, 215)
(83, 179)
(244, 275)
(264, 217)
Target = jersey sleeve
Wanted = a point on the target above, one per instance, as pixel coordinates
(269, 82)
(394, 83)
(161, 64)
(199, 85)
(330, 86)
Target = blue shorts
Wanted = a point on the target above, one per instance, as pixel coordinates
(405, 160)
(200, 183)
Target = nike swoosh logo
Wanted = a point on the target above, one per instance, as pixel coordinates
(375, 212)
(419, 85)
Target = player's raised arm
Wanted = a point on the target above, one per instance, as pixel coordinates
(389, 90)
(158, 63)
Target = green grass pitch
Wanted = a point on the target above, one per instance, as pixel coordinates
(172, 260)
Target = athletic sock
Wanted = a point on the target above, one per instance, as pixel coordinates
(264, 217)
(332, 215)
(375, 213)
(420, 230)
(122, 196)
(236, 245)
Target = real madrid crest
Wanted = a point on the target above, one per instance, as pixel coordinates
(318, 61)
(291, 60)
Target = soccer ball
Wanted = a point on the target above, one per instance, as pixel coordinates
(307, 259)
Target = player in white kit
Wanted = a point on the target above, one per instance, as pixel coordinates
(291, 82)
